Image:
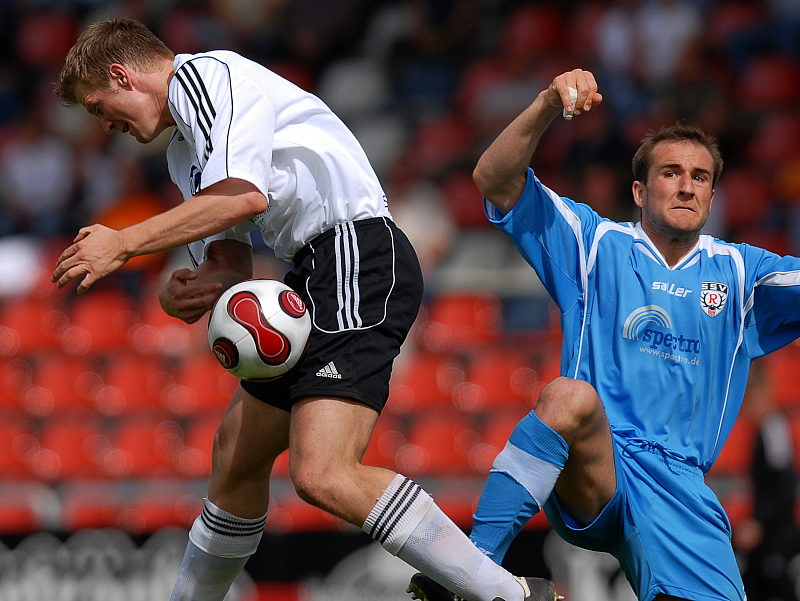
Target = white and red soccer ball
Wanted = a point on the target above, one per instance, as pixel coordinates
(258, 329)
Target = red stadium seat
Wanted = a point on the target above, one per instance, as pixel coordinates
(746, 196)
(437, 445)
(69, 447)
(782, 370)
(736, 456)
(459, 505)
(496, 379)
(769, 82)
(387, 437)
(131, 383)
(61, 384)
(18, 439)
(143, 447)
(493, 437)
(440, 143)
(289, 514)
(727, 19)
(776, 139)
(194, 460)
(15, 380)
(100, 322)
(464, 201)
(201, 384)
(160, 334)
(480, 77)
(462, 321)
(44, 38)
(30, 325)
(425, 382)
(738, 506)
(533, 29)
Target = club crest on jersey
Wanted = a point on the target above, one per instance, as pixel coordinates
(195, 177)
(713, 296)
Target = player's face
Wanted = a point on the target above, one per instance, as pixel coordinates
(676, 198)
(123, 109)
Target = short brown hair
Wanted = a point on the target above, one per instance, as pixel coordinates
(124, 41)
(679, 132)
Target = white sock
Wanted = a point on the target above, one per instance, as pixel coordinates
(219, 545)
(408, 524)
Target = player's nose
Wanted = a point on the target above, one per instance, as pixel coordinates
(687, 185)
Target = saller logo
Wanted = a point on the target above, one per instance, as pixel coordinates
(713, 296)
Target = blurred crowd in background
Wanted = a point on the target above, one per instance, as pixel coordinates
(425, 85)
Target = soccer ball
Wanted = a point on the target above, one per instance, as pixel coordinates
(258, 329)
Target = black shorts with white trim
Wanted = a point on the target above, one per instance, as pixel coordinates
(362, 284)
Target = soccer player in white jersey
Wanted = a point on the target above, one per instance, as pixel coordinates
(251, 151)
(660, 324)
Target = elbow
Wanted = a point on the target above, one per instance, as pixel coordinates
(482, 178)
(254, 203)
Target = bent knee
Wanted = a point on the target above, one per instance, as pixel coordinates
(318, 485)
(567, 404)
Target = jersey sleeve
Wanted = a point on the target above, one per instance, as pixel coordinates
(553, 234)
(231, 124)
(773, 318)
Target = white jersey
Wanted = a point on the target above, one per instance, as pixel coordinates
(237, 119)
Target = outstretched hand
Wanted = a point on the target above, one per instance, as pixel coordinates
(583, 87)
(96, 252)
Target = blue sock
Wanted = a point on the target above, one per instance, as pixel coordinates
(521, 479)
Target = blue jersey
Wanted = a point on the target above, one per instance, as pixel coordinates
(668, 349)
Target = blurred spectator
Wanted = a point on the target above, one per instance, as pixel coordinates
(194, 26)
(37, 179)
(135, 204)
(771, 537)
(664, 29)
(430, 53)
(696, 90)
(319, 31)
(618, 56)
(418, 207)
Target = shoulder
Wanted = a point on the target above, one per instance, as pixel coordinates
(200, 78)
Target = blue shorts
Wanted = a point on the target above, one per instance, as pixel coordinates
(664, 525)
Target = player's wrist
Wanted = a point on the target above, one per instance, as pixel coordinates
(126, 250)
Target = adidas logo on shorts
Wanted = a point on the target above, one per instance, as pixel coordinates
(329, 371)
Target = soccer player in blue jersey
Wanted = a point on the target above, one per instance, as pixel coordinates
(660, 324)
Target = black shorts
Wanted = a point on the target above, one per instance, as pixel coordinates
(362, 283)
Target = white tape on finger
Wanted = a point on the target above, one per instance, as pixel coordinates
(573, 99)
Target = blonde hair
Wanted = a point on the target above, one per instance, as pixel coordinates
(122, 40)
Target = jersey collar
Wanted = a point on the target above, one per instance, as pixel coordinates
(647, 245)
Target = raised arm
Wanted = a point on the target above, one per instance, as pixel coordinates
(501, 171)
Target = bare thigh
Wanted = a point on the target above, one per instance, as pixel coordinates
(588, 481)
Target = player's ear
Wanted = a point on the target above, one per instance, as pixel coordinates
(638, 190)
(119, 75)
